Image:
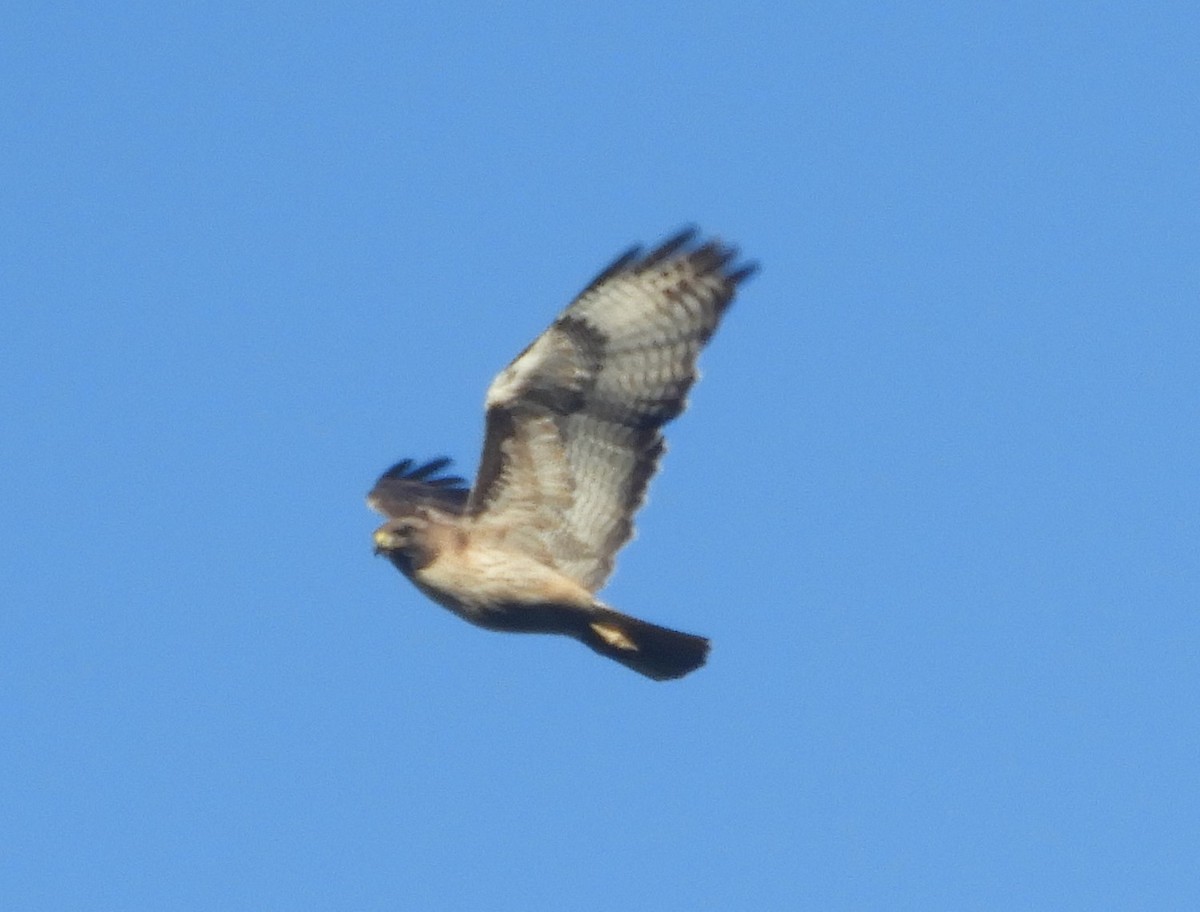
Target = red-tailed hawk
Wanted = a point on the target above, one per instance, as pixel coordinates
(573, 438)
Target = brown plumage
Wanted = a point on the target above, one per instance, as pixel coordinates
(573, 437)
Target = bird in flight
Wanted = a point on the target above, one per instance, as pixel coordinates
(573, 437)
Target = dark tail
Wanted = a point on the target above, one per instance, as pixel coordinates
(656, 652)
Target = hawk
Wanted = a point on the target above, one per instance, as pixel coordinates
(573, 436)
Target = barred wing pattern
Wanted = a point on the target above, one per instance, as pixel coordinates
(574, 423)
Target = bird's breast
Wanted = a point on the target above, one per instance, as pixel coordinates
(492, 588)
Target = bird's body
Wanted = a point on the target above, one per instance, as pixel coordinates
(573, 438)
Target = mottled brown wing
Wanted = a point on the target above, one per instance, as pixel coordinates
(573, 424)
(407, 486)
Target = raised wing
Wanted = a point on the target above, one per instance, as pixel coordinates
(407, 486)
(573, 424)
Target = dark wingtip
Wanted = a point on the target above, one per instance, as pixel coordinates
(743, 272)
(711, 255)
(720, 257)
(398, 470)
(671, 246)
(424, 472)
(623, 261)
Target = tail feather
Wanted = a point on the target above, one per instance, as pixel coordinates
(656, 652)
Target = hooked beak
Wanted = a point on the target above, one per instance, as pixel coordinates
(383, 541)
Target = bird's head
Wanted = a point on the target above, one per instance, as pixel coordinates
(404, 542)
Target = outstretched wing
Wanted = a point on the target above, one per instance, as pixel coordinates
(407, 486)
(573, 424)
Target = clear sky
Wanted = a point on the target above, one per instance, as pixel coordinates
(936, 500)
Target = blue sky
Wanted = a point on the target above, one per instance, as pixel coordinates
(936, 500)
